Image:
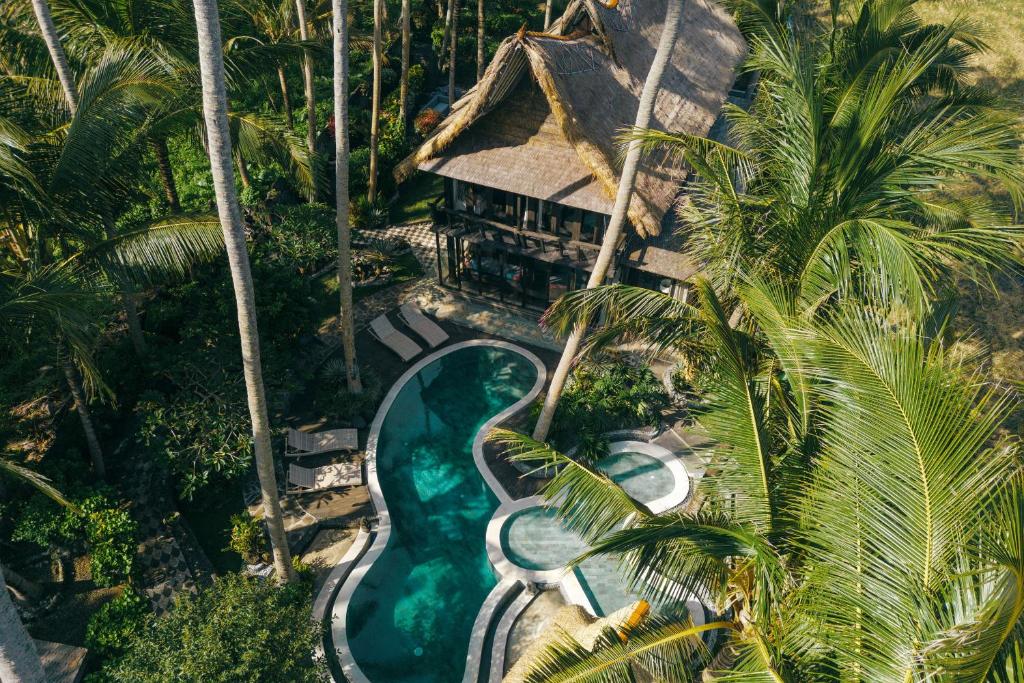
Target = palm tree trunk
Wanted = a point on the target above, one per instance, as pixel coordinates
(452, 50)
(215, 111)
(446, 36)
(547, 14)
(307, 78)
(19, 659)
(479, 40)
(403, 88)
(74, 381)
(375, 113)
(627, 183)
(286, 101)
(243, 170)
(348, 340)
(163, 165)
(57, 56)
(131, 312)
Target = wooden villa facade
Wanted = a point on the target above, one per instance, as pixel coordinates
(529, 155)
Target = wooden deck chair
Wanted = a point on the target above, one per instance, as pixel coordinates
(310, 479)
(313, 443)
(386, 334)
(426, 328)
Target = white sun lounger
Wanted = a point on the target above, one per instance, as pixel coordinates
(426, 328)
(307, 443)
(386, 334)
(306, 479)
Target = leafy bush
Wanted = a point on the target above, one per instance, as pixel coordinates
(332, 398)
(239, 629)
(604, 395)
(426, 121)
(367, 216)
(112, 627)
(247, 538)
(112, 533)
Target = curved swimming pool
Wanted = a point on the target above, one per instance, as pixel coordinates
(410, 614)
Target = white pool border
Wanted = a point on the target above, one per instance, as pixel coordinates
(679, 492)
(339, 631)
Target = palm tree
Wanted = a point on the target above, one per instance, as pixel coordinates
(57, 56)
(406, 47)
(839, 172)
(627, 183)
(453, 45)
(345, 320)
(375, 98)
(835, 533)
(479, 39)
(547, 14)
(219, 143)
(307, 78)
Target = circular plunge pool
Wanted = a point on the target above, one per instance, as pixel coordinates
(535, 539)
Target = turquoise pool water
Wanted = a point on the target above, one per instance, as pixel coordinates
(642, 476)
(410, 617)
(535, 538)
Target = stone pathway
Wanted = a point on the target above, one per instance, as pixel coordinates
(160, 560)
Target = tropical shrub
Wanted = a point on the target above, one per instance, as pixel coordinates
(112, 536)
(238, 629)
(247, 538)
(426, 121)
(113, 626)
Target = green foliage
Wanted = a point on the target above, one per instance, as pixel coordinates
(332, 398)
(239, 629)
(603, 395)
(114, 625)
(112, 536)
(247, 538)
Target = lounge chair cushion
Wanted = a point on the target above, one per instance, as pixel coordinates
(323, 442)
(386, 333)
(326, 477)
(426, 328)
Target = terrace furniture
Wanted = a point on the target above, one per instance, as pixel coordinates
(308, 480)
(426, 328)
(386, 334)
(314, 443)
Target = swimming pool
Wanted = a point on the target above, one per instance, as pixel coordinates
(412, 600)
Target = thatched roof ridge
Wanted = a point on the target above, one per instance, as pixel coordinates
(591, 67)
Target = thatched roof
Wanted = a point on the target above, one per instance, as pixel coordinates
(586, 76)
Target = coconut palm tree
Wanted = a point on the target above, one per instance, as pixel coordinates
(453, 46)
(836, 177)
(403, 86)
(627, 183)
(832, 532)
(479, 39)
(56, 50)
(345, 319)
(378, 9)
(307, 78)
(219, 144)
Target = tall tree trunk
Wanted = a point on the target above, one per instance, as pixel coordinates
(348, 337)
(215, 111)
(375, 108)
(627, 183)
(547, 14)
(163, 164)
(19, 659)
(286, 101)
(307, 78)
(446, 35)
(57, 56)
(452, 51)
(74, 381)
(403, 87)
(479, 40)
(243, 169)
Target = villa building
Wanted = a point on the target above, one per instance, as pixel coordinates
(529, 156)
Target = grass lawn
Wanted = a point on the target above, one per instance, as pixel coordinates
(414, 197)
(1001, 23)
(209, 515)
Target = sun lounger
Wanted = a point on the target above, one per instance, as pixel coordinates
(386, 334)
(306, 443)
(426, 328)
(306, 479)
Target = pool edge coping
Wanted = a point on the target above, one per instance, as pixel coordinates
(339, 610)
